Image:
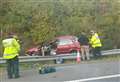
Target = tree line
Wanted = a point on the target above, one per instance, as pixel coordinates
(38, 21)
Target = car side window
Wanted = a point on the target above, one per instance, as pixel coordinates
(64, 42)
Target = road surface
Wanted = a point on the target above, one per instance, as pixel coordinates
(85, 72)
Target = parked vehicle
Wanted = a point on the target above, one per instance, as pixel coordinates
(65, 44)
(38, 50)
(33, 51)
(59, 45)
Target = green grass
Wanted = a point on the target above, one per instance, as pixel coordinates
(109, 58)
(72, 61)
(30, 65)
(101, 59)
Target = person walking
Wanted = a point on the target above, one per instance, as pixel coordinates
(84, 43)
(11, 53)
(95, 43)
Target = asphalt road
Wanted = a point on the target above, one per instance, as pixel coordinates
(73, 73)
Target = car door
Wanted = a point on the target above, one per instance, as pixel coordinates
(64, 46)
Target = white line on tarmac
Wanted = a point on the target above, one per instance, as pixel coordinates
(95, 78)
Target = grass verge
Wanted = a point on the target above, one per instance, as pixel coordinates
(30, 65)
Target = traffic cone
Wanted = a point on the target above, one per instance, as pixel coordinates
(78, 59)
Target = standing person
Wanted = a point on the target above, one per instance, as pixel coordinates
(84, 43)
(11, 52)
(95, 43)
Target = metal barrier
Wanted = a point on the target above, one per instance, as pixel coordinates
(109, 52)
(64, 56)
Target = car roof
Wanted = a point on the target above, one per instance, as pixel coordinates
(66, 37)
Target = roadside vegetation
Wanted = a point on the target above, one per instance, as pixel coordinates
(36, 65)
(39, 21)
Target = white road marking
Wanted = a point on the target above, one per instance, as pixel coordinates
(95, 78)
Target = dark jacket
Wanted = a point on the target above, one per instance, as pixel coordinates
(83, 40)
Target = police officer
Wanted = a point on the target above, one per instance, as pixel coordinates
(11, 52)
(95, 43)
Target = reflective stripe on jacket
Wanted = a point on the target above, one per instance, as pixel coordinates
(95, 41)
(11, 48)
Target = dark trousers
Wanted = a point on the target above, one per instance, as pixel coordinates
(97, 51)
(13, 67)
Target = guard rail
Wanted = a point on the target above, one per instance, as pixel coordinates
(64, 56)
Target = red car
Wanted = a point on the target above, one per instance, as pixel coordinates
(60, 45)
(33, 51)
(65, 44)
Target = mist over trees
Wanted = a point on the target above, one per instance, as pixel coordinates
(38, 21)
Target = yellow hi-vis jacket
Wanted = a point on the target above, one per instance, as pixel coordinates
(11, 48)
(95, 41)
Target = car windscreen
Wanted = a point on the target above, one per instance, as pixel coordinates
(65, 42)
